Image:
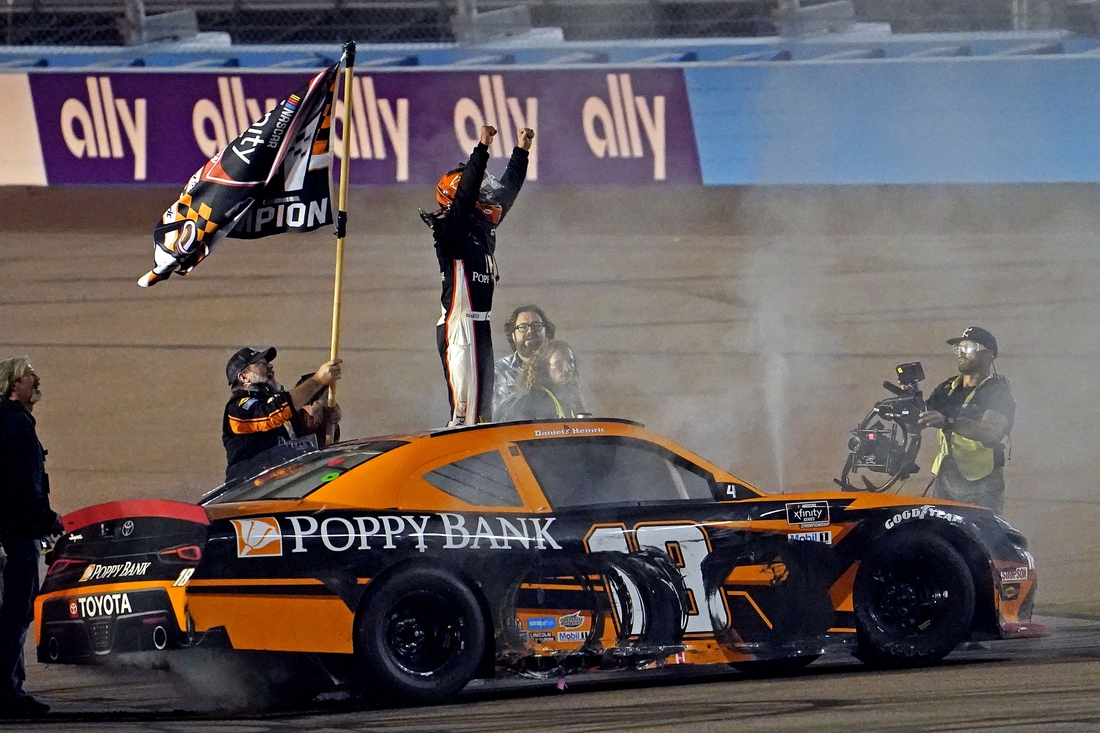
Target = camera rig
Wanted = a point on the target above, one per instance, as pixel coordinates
(885, 444)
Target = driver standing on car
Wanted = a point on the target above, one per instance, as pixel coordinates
(973, 414)
(472, 205)
(258, 415)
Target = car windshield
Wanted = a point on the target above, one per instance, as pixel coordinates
(302, 476)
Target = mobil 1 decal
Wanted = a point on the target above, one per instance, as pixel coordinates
(260, 537)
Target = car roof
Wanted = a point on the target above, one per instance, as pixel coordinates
(393, 479)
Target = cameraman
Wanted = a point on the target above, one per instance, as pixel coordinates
(973, 413)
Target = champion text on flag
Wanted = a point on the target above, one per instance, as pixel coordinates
(275, 177)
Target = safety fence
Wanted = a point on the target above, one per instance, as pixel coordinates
(937, 120)
(115, 22)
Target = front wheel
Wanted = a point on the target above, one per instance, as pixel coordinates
(420, 636)
(913, 600)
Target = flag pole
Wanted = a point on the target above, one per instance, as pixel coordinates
(341, 215)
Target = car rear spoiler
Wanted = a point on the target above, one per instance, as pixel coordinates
(113, 510)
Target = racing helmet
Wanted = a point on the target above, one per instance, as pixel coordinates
(486, 205)
(447, 187)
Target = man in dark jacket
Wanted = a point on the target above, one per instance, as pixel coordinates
(25, 519)
(526, 332)
(472, 205)
(258, 422)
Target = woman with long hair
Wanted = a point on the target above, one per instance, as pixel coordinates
(548, 387)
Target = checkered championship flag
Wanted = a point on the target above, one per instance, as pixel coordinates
(274, 178)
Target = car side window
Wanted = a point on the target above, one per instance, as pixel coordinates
(692, 484)
(603, 469)
(481, 480)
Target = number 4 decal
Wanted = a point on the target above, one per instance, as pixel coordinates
(686, 545)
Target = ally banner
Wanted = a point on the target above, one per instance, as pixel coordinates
(594, 126)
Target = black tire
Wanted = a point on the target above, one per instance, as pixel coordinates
(420, 636)
(913, 600)
(775, 667)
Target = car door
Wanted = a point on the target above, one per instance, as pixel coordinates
(677, 566)
(636, 506)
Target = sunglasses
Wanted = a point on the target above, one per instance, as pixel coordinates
(968, 347)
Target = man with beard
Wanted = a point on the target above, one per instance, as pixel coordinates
(25, 519)
(548, 387)
(257, 427)
(471, 206)
(527, 330)
(973, 413)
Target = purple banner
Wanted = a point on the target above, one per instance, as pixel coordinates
(592, 126)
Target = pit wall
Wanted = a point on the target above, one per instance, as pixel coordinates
(951, 120)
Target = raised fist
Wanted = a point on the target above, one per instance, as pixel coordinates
(487, 135)
(526, 138)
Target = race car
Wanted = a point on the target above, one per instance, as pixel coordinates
(410, 564)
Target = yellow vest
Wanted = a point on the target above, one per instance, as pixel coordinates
(557, 404)
(974, 459)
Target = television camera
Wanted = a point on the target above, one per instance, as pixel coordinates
(885, 444)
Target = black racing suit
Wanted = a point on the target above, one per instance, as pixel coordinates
(465, 244)
(258, 431)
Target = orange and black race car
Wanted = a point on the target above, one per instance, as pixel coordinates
(411, 564)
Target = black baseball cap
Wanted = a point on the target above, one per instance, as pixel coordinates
(979, 336)
(245, 356)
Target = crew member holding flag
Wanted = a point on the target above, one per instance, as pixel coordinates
(274, 177)
(258, 422)
(472, 205)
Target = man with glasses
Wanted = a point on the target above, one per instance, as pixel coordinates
(527, 330)
(257, 423)
(973, 414)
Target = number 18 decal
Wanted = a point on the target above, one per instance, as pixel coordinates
(686, 545)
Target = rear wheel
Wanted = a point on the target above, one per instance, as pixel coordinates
(913, 600)
(420, 636)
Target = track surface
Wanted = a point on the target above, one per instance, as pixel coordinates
(1046, 684)
(753, 327)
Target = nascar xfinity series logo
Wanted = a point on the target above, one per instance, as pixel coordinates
(808, 513)
(922, 512)
(269, 536)
(110, 604)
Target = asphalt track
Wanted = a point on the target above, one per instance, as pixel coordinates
(1047, 684)
(752, 326)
